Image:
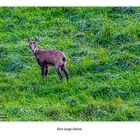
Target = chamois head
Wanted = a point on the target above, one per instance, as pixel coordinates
(33, 44)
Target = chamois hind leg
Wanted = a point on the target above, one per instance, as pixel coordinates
(63, 68)
(57, 68)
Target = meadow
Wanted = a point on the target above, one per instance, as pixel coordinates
(102, 45)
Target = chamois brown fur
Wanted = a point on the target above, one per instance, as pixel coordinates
(47, 58)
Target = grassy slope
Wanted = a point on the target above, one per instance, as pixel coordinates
(103, 50)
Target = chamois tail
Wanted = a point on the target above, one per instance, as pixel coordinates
(64, 59)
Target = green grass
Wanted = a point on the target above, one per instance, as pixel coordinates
(103, 50)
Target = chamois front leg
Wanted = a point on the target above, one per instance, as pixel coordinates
(57, 68)
(46, 70)
(43, 71)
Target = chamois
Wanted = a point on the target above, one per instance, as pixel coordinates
(47, 58)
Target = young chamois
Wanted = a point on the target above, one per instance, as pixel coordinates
(46, 58)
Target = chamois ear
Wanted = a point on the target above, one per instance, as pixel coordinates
(28, 40)
(36, 39)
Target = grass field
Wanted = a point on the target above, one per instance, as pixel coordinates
(103, 50)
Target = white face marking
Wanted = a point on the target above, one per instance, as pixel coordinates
(33, 46)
